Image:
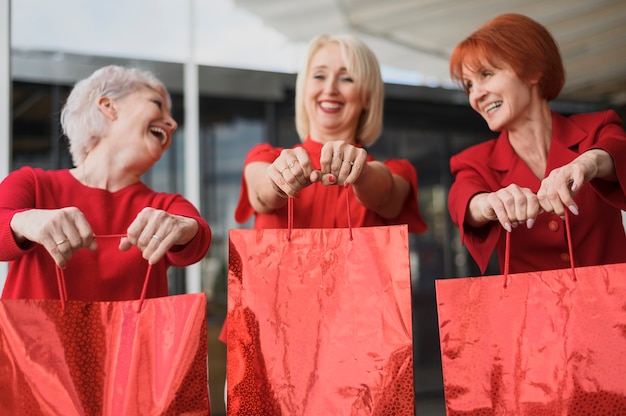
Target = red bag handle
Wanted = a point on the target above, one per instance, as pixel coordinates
(507, 252)
(290, 215)
(63, 288)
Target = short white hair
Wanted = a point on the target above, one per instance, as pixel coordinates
(82, 121)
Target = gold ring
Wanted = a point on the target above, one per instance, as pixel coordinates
(156, 237)
(61, 242)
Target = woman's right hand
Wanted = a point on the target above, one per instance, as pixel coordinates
(292, 171)
(61, 231)
(510, 206)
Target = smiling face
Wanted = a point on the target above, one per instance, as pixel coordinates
(332, 100)
(498, 95)
(143, 122)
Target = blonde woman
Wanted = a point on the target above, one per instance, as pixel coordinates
(339, 111)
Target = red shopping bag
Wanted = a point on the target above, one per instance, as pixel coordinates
(319, 322)
(142, 357)
(541, 343)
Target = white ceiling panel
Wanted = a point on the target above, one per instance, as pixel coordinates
(419, 35)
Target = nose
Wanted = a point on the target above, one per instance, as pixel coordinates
(477, 92)
(331, 84)
(170, 122)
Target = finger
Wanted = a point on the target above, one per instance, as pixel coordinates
(159, 245)
(315, 176)
(288, 183)
(304, 160)
(336, 162)
(495, 205)
(327, 154)
(328, 179)
(532, 209)
(60, 251)
(294, 173)
(82, 234)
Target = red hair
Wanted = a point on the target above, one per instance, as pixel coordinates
(518, 41)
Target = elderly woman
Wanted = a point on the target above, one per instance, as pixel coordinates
(339, 111)
(98, 221)
(541, 164)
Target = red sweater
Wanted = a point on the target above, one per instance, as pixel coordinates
(105, 274)
(319, 206)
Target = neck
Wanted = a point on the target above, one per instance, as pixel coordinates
(108, 174)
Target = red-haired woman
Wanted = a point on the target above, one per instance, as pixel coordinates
(542, 163)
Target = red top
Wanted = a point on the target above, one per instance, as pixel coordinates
(320, 206)
(597, 233)
(106, 274)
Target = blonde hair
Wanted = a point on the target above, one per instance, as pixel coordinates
(363, 67)
(81, 119)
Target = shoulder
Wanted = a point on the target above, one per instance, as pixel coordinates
(263, 152)
(31, 174)
(594, 119)
(477, 152)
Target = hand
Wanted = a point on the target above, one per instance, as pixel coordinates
(342, 163)
(291, 172)
(61, 231)
(155, 231)
(510, 206)
(558, 189)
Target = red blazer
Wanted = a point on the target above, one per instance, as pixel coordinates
(597, 232)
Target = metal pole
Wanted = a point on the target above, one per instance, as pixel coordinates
(192, 143)
(5, 103)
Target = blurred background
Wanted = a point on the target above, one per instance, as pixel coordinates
(230, 66)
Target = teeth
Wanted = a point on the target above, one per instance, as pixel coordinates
(159, 132)
(493, 106)
(329, 106)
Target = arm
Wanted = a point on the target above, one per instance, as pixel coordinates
(377, 189)
(61, 231)
(263, 194)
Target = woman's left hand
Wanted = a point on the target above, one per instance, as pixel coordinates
(342, 161)
(559, 187)
(155, 231)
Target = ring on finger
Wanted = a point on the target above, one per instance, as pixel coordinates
(292, 164)
(58, 243)
(337, 154)
(157, 237)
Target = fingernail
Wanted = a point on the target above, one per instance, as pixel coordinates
(507, 227)
(331, 178)
(573, 209)
(529, 223)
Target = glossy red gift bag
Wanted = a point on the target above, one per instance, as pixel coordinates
(142, 357)
(542, 343)
(319, 322)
